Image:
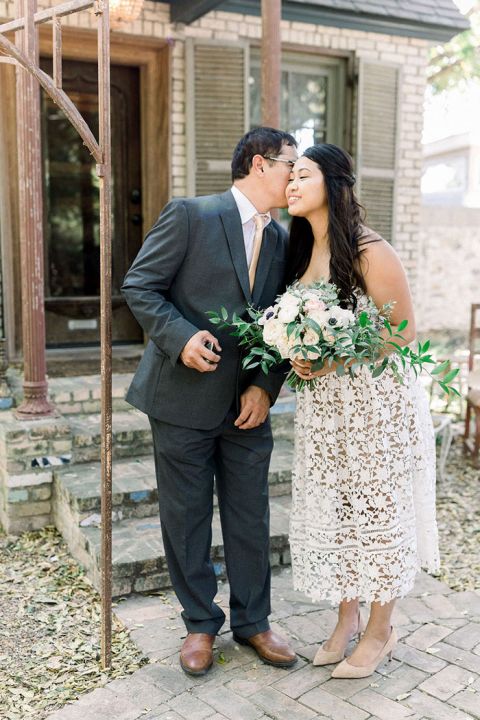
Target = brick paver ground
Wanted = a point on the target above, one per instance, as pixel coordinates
(435, 673)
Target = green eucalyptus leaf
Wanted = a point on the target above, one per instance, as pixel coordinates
(441, 367)
(450, 376)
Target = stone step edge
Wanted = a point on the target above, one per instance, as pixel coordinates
(81, 394)
(80, 547)
(85, 509)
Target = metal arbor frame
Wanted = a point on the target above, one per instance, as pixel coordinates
(24, 54)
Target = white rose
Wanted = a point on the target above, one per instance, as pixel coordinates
(320, 316)
(273, 330)
(283, 346)
(310, 337)
(288, 307)
(288, 314)
(287, 298)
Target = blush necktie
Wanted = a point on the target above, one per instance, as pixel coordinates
(257, 244)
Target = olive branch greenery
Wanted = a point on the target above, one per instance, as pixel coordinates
(362, 344)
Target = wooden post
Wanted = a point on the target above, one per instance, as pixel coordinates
(271, 59)
(104, 174)
(35, 403)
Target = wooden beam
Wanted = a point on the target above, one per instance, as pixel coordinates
(186, 11)
(271, 58)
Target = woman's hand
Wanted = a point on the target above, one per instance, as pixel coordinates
(303, 368)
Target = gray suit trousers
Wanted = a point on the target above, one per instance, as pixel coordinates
(187, 461)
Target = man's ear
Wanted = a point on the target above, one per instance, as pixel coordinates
(257, 164)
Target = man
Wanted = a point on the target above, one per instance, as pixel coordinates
(208, 416)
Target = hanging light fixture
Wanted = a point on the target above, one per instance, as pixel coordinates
(124, 11)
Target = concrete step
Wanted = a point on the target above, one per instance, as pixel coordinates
(134, 488)
(79, 394)
(132, 436)
(138, 556)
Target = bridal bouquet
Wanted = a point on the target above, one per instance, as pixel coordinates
(310, 323)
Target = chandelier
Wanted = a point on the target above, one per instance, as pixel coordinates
(124, 11)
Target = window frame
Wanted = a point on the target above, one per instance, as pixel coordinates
(320, 64)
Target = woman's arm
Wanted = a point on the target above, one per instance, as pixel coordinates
(386, 281)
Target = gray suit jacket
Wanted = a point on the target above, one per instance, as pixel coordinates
(193, 260)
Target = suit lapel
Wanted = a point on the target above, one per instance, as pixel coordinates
(233, 230)
(269, 243)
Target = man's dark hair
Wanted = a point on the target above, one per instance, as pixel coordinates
(262, 141)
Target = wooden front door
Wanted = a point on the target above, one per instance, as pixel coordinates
(71, 216)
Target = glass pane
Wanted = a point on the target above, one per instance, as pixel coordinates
(307, 104)
(72, 205)
(303, 105)
(255, 99)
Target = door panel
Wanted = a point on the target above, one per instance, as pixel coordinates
(72, 234)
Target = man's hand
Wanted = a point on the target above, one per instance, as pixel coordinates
(254, 407)
(195, 355)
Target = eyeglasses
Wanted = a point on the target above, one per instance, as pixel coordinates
(290, 163)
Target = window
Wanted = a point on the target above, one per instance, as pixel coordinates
(312, 99)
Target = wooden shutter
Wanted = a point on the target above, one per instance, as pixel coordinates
(217, 113)
(378, 92)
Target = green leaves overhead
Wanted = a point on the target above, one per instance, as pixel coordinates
(458, 61)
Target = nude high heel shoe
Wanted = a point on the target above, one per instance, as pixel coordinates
(348, 671)
(329, 657)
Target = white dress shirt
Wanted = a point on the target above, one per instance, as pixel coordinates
(247, 210)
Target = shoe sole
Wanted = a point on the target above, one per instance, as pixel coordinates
(195, 673)
(275, 663)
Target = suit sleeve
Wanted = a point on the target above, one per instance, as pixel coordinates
(273, 381)
(147, 282)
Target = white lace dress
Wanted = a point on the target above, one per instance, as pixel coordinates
(363, 489)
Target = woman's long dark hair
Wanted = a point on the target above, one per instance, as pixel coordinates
(345, 224)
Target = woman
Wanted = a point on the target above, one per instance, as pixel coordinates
(363, 496)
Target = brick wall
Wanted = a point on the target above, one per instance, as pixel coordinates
(409, 53)
(448, 267)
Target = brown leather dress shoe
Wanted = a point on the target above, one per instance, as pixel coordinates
(271, 648)
(196, 655)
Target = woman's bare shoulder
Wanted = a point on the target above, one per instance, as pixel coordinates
(369, 237)
(377, 256)
(371, 244)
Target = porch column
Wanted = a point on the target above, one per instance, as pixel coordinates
(35, 403)
(271, 55)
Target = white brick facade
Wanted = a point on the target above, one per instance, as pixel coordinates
(408, 53)
(448, 267)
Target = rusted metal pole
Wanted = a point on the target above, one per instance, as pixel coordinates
(271, 60)
(104, 172)
(35, 403)
(45, 15)
(24, 55)
(58, 96)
